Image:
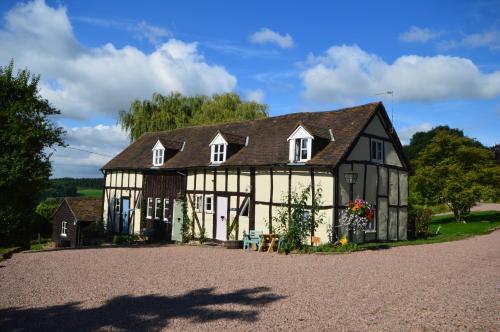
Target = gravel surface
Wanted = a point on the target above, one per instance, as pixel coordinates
(445, 286)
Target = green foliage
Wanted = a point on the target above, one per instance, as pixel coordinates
(329, 247)
(123, 239)
(454, 170)
(421, 139)
(303, 219)
(203, 236)
(26, 136)
(186, 230)
(94, 231)
(93, 193)
(43, 215)
(177, 111)
(421, 217)
(70, 187)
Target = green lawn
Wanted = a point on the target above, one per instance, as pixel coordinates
(86, 192)
(478, 223)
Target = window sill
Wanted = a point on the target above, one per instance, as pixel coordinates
(209, 212)
(64, 235)
(370, 231)
(149, 218)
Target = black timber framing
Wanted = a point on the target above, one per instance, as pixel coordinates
(313, 199)
(252, 199)
(289, 193)
(228, 212)
(336, 205)
(388, 199)
(238, 171)
(203, 200)
(271, 201)
(214, 204)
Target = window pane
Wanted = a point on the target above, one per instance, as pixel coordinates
(221, 148)
(297, 149)
(304, 149)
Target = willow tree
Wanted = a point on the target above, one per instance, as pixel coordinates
(177, 111)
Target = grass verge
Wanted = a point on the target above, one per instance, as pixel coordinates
(87, 192)
(478, 223)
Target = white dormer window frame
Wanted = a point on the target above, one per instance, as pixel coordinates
(158, 154)
(218, 150)
(300, 142)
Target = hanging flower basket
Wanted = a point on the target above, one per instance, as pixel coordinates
(357, 216)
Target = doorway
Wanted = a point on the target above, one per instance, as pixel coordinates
(124, 218)
(221, 218)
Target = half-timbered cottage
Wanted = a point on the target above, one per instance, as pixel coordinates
(241, 173)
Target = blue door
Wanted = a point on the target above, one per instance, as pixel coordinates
(125, 214)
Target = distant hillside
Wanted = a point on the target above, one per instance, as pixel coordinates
(68, 187)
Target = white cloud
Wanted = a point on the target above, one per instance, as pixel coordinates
(418, 35)
(86, 82)
(268, 36)
(406, 133)
(489, 39)
(256, 95)
(152, 33)
(347, 73)
(75, 161)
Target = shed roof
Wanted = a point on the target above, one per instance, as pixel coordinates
(85, 208)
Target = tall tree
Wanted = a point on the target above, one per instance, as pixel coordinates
(26, 133)
(457, 171)
(421, 139)
(177, 111)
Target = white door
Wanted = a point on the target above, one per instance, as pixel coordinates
(221, 218)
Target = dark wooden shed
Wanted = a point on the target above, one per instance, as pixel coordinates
(72, 216)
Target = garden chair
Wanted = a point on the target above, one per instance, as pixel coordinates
(252, 238)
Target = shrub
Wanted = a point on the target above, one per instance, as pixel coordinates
(94, 231)
(203, 236)
(121, 239)
(420, 218)
(302, 220)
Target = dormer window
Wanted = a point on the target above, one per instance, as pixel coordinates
(158, 154)
(218, 149)
(300, 145)
(218, 153)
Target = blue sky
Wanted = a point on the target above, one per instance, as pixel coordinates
(441, 59)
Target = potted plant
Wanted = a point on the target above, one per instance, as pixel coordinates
(356, 218)
(232, 243)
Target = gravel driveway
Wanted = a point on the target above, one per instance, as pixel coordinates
(447, 286)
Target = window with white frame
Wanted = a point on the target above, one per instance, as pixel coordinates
(302, 149)
(158, 155)
(198, 203)
(166, 208)
(377, 151)
(218, 153)
(158, 208)
(64, 228)
(149, 208)
(209, 203)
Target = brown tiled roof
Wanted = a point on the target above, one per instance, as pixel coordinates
(85, 208)
(232, 138)
(170, 144)
(267, 140)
